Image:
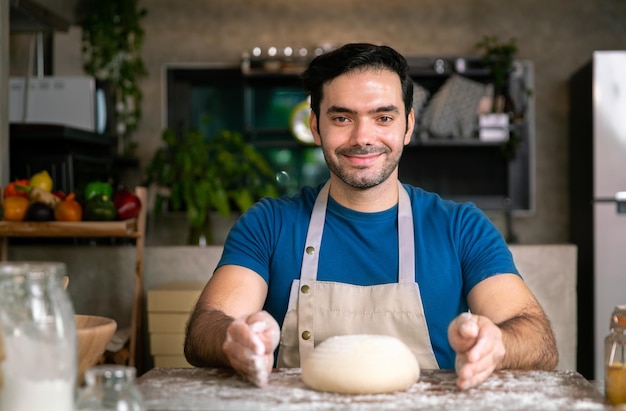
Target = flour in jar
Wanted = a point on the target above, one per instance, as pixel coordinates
(37, 375)
(21, 394)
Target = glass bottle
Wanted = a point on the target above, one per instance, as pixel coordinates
(110, 388)
(615, 355)
(39, 330)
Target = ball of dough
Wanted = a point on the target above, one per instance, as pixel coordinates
(360, 364)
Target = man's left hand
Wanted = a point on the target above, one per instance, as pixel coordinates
(479, 348)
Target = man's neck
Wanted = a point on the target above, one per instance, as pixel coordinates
(377, 198)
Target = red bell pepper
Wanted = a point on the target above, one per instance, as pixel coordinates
(12, 189)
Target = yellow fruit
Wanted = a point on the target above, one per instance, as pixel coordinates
(41, 180)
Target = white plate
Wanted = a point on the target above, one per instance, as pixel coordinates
(299, 122)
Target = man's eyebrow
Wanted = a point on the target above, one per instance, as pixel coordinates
(339, 109)
(383, 109)
(386, 109)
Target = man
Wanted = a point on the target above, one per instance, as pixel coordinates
(366, 254)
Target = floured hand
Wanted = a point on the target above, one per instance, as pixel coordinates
(250, 344)
(479, 348)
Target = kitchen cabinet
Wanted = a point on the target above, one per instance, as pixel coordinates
(134, 229)
(41, 15)
(73, 157)
(494, 174)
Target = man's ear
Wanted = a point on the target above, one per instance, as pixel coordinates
(314, 129)
(410, 124)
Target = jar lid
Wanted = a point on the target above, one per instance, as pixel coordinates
(32, 269)
(110, 374)
(618, 318)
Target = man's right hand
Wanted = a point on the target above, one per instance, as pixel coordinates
(250, 344)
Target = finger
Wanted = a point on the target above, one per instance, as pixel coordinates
(467, 325)
(475, 379)
(480, 349)
(462, 332)
(467, 369)
(264, 325)
(240, 332)
(253, 367)
(239, 355)
(476, 366)
(247, 352)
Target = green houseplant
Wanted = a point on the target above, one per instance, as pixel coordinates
(499, 57)
(223, 174)
(112, 38)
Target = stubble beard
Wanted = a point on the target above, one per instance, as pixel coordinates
(358, 177)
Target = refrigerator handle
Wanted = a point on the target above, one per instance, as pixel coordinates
(619, 200)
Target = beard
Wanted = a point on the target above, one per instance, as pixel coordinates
(362, 177)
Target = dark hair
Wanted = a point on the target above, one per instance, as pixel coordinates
(349, 57)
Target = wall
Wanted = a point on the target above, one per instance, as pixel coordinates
(558, 36)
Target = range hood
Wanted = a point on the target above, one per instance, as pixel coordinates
(41, 15)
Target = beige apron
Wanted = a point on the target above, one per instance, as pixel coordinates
(321, 309)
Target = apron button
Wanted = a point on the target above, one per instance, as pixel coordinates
(310, 250)
(305, 289)
(306, 335)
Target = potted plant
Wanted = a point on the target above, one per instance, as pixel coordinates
(112, 39)
(222, 174)
(499, 57)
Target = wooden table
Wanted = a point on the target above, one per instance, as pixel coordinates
(187, 389)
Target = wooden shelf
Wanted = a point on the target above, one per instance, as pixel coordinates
(132, 228)
(126, 228)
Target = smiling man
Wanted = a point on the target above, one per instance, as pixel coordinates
(364, 253)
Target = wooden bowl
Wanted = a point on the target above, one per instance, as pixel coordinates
(94, 333)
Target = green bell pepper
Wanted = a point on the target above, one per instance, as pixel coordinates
(100, 208)
(98, 188)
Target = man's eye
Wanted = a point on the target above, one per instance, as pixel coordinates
(385, 119)
(341, 119)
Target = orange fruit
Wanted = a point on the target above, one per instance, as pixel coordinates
(15, 208)
(68, 210)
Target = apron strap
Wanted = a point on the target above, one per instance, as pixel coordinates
(406, 237)
(308, 273)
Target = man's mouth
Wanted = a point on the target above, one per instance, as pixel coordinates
(362, 157)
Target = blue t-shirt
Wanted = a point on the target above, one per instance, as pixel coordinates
(456, 247)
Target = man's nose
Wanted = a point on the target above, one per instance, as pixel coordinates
(363, 133)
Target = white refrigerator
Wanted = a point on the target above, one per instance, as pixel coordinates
(598, 199)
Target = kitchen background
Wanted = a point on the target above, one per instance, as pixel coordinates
(556, 36)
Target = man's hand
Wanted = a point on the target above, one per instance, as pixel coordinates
(479, 348)
(250, 344)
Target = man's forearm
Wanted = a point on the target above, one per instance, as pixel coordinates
(529, 342)
(205, 335)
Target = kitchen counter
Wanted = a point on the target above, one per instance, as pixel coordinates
(191, 389)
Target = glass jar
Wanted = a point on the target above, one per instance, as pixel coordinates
(615, 355)
(39, 331)
(110, 388)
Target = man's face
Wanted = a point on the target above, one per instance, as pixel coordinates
(362, 126)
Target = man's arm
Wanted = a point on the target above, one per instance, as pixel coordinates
(227, 327)
(507, 329)
(526, 331)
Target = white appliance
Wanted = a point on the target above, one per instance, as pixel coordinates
(598, 199)
(72, 101)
